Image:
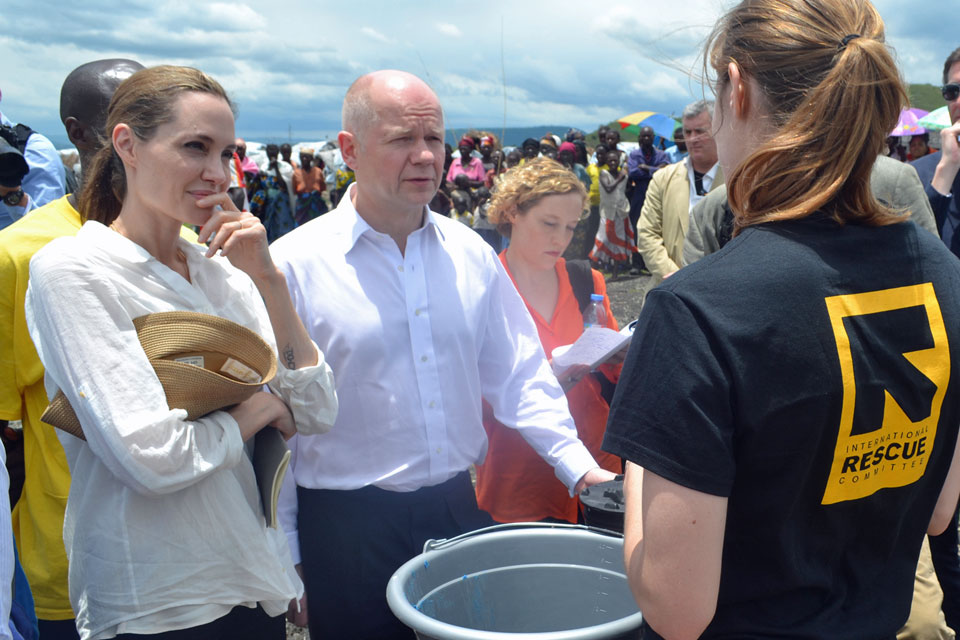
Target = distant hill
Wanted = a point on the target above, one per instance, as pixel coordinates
(925, 96)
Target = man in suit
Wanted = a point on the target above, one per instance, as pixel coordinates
(939, 171)
(893, 183)
(941, 178)
(673, 192)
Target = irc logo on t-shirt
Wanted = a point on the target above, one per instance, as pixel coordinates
(895, 366)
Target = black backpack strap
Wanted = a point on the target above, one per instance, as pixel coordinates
(725, 232)
(16, 136)
(23, 134)
(581, 281)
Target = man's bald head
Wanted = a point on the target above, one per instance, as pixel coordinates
(392, 138)
(368, 93)
(86, 93)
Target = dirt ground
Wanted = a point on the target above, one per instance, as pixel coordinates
(626, 296)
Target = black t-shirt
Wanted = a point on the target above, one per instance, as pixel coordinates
(807, 372)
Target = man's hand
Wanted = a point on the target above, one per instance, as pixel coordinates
(298, 617)
(572, 376)
(619, 356)
(592, 477)
(946, 171)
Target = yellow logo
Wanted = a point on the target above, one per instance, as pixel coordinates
(870, 456)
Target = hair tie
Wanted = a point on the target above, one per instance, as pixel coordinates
(846, 40)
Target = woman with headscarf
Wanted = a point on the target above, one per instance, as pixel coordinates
(466, 165)
(488, 145)
(548, 147)
(272, 198)
(309, 184)
(582, 241)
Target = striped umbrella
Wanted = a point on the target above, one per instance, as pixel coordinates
(661, 124)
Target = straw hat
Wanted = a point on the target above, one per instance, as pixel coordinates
(204, 363)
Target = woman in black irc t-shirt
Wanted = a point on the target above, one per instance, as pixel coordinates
(789, 405)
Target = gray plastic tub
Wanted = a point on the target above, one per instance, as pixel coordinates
(531, 582)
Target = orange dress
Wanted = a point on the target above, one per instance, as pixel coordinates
(514, 484)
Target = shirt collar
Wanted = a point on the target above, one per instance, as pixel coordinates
(122, 248)
(709, 173)
(350, 225)
(116, 245)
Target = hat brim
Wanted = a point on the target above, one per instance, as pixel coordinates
(199, 390)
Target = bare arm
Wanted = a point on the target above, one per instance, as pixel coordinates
(949, 494)
(949, 164)
(242, 238)
(607, 181)
(673, 542)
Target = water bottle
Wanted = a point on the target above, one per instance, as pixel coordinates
(595, 315)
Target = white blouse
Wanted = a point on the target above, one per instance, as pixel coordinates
(163, 527)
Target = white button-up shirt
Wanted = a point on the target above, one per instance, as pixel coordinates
(416, 340)
(163, 527)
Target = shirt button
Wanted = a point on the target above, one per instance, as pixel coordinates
(400, 268)
(439, 449)
(417, 312)
(432, 404)
(423, 358)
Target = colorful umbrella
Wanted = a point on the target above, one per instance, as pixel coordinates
(907, 124)
(662, 125)
(937, 119)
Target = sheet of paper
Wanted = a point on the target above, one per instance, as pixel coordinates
(594, 346)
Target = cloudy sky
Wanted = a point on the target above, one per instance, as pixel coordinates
(287, 63)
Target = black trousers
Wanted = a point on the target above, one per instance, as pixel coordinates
(58, 629)
(242, 623)
(351, 542)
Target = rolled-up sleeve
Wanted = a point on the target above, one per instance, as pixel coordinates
(517, 381)
(89, 348)
(309, 391)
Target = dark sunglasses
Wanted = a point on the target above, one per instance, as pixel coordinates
(950, 91)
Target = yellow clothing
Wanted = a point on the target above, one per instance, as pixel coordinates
(466, 217)
(38, 516)
(594, 194)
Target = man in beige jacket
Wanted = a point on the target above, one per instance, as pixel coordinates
(673, 192)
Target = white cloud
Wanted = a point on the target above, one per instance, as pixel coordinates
(448, 29)
(376, 35)
(565, 63)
